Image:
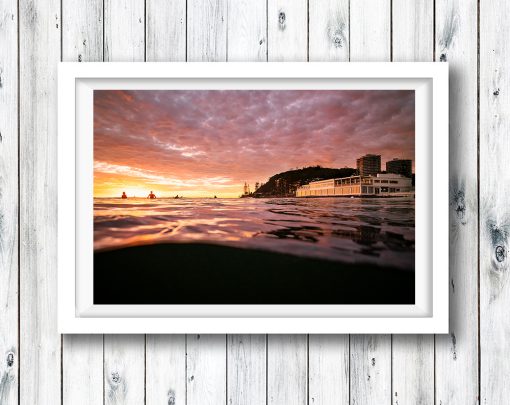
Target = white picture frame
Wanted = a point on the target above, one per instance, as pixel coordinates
(76, 310)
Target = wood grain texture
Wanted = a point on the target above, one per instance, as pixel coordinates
(233, 30)
(287, 370)
(124, 355)
(413, 30)
(328, 369)
(457, 353)
(287, 36)
(207, 31)
(124, 369)
(413, 355)
(370, 369)
(287, 355)
(82, 365)
(39, 44)
(82, 357)
(124, 30)
(166, 30)
(370, 27)
(370, 372)
(329, 30)
(165, 366)
(246, 365)
(9, 350)
(328, 355)
(82, 31)
(413, 369)
(247, 30)
(494, 207)
(206, 370)
(166, 370)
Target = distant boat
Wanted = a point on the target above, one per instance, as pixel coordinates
(215, 197)
(177, 196)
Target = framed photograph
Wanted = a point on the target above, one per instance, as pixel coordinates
(253, 198)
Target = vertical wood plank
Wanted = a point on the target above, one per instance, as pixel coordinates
(206, 355)
(370, 372)
(328, 369)
(82, 31)
(207, 30)
(494, 210)
(246, 354)
(287, 355)
(413, 355)
(247, 28)
(413, 30)
(166, 30)
(124, 369)
(40, 366)
(457, 353)
(82, 365)
(370, 27)
(329, 30)
(413, 369)
(287, 370)
(287, 26)
(124, 355)
(246, 365)
(9, 351)
(206, 370)
(370, 369)
(166, 354)
(82, 379)
(166, 369)
(328, 355)
(124, 30)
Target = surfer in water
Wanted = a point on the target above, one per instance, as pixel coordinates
(151, 195)
(124, 196)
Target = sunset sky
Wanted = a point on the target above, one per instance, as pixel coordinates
(203, 143)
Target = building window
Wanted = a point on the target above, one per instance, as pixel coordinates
(393, 181)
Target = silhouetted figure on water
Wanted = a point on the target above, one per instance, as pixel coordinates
(124, 196)
(151, 195)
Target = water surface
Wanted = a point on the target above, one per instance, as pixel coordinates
(350, 230)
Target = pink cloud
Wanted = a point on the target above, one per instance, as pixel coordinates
(248, 135)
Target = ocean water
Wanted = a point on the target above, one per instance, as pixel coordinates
(353, 230)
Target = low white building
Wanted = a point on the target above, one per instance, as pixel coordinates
(383, 184)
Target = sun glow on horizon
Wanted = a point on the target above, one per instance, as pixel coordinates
(201, 144)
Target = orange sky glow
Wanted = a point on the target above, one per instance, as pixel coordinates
(198, 143)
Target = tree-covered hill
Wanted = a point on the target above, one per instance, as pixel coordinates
(285, 184)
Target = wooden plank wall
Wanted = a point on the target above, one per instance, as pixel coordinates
(468, 366)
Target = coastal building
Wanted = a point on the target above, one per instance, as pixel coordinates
(380, 185)
(368, 165)
(400, 166)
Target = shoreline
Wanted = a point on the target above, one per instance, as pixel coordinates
(199, 273)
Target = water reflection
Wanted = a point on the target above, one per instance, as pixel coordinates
(379, 231)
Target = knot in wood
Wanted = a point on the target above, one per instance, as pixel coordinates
(500, 253)
(337, 40)
(281, 18)
(10, 359)
(115, 377)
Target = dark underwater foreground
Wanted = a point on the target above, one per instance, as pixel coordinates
(181, 273)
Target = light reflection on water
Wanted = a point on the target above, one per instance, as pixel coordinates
(378, 231)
